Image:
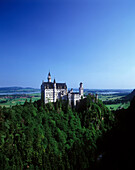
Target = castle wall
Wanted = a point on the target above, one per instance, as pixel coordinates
(49, 95)
(50, 92)
(76, 97)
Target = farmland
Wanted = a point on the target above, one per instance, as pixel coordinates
(113, 99)
(12, 100)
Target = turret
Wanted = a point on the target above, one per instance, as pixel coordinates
(71, 91)
(54, 91)
(54, 81)
(81, 89)
(49, 77)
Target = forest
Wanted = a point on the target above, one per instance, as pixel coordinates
(52, 136)
(56, 136)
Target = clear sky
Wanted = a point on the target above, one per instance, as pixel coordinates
(92, 41)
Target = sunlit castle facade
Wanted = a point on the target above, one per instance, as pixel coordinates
(52, 91)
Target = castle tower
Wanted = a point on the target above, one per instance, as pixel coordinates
(81, 89)
(49, 77)
(54, 91)
(71, 91)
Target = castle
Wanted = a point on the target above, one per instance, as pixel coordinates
(52, 91)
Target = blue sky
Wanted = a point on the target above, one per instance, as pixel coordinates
(92, 41)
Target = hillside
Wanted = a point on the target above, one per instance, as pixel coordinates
(119, 143)
(53, 136)
(130, 96)
(17, 89)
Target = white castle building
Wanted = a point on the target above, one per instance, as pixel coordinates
(52, 91)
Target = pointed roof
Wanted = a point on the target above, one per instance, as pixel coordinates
(49, 74)
(54, 81)
(50, 85)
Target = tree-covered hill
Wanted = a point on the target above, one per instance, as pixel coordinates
(119, 142)
(130, 96)
(53, 136)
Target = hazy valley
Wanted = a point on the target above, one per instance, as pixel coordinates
(112, 98)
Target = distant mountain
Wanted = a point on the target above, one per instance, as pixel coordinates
(130, 96)
(17, 89)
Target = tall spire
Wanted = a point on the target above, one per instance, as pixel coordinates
(49, 77)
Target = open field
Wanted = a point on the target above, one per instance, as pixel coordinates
(118, 106)
(111, 98)
(114, 102)
(11, 100)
